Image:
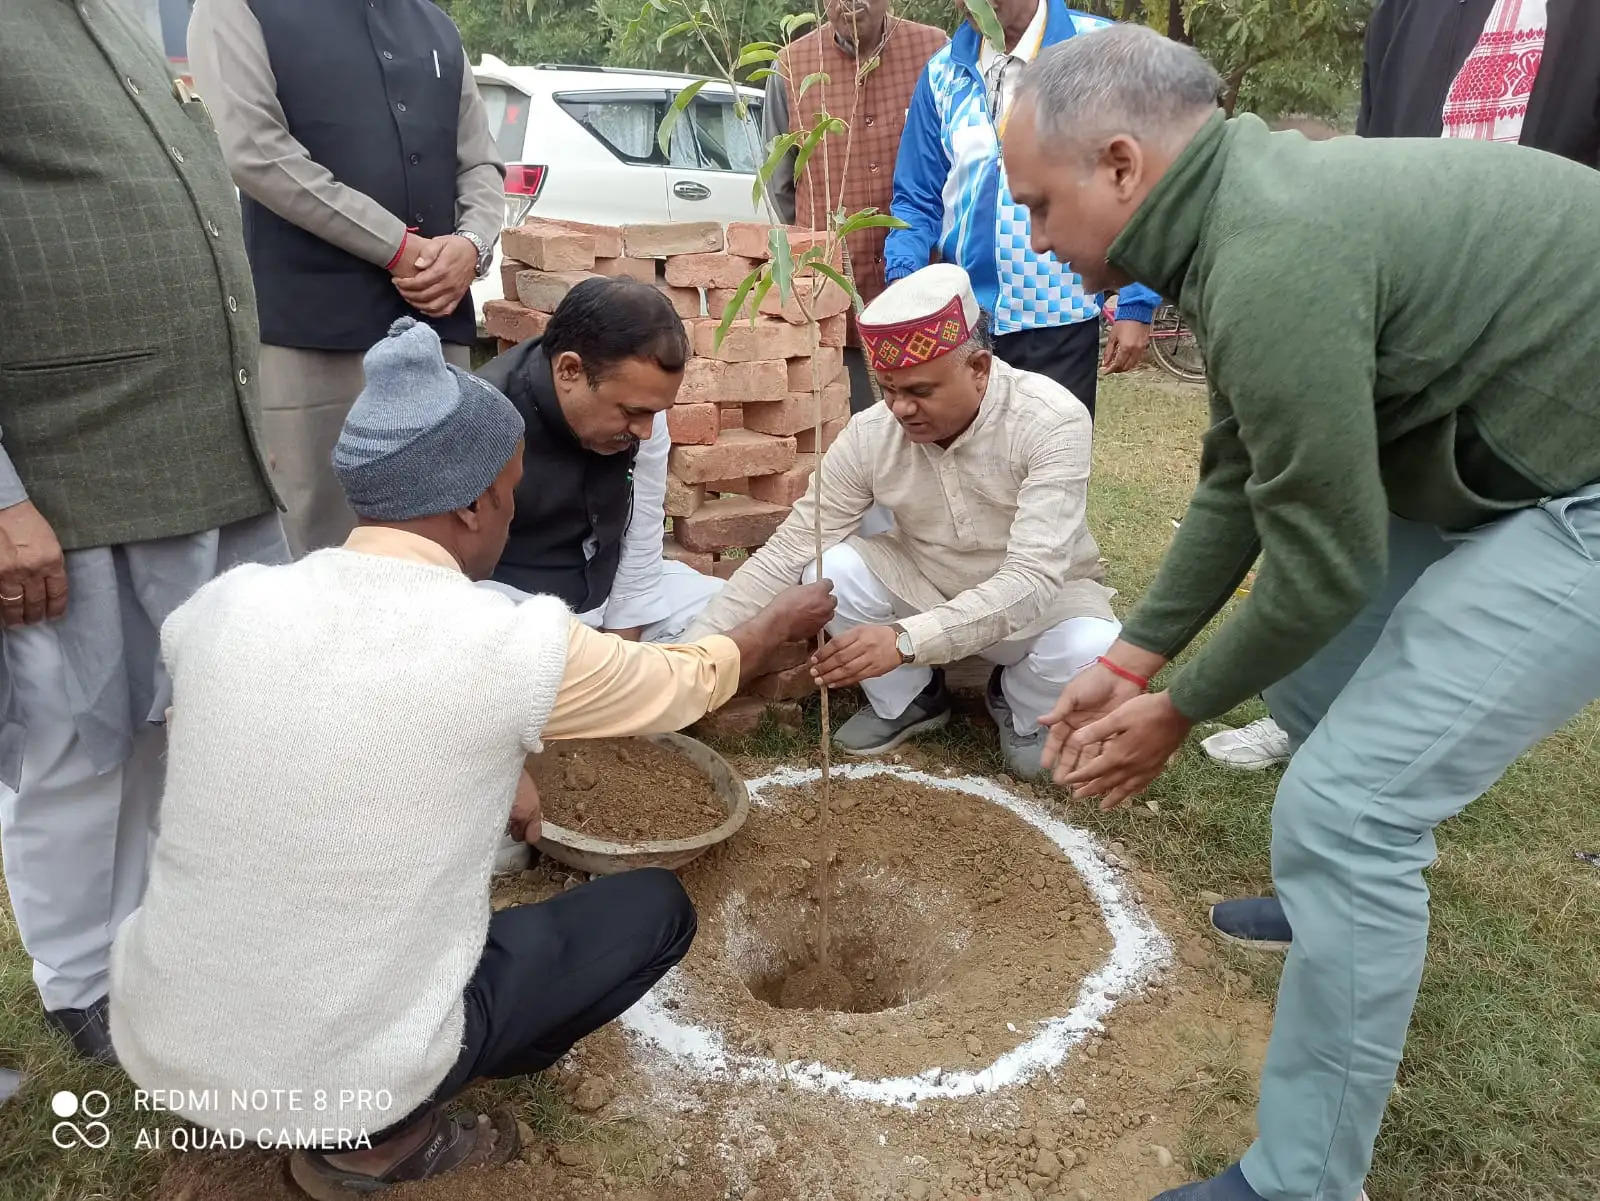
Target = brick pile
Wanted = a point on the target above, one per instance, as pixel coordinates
(744, 438)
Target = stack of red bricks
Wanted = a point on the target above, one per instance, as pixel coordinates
(744, 436)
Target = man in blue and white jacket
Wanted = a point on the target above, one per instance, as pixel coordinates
(950, 189)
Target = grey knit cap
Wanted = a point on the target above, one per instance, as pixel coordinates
(424, 437)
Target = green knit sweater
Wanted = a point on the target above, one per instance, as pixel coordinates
(1393, 326)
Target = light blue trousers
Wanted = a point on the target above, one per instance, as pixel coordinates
(1481, 644)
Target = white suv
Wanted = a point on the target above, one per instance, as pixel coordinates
(580, 144)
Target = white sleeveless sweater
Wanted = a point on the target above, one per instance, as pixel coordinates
(345, 744)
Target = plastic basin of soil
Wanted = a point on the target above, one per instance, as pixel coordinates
(604, 857)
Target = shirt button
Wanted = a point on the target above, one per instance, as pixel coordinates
(869, 119)
(132, 86)
(233, 305)
(177, 155)
(386, 54)
(244, 376)
(419, 219)
(400, 105)
(415, 159)
(872, 166)
(211, 228)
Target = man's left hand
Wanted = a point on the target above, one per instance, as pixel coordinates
(1136, 740)
(1125, 346)
(863, 653)
(445, 270)
(527, 819)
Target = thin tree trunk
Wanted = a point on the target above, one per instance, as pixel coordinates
(1177, 29)
(1231, 86)
(1133, 11)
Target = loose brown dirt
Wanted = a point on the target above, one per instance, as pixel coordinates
(625, 789)
(955, 923)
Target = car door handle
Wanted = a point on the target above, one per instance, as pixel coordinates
(687, 189)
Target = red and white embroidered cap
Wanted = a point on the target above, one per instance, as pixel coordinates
(920, 318)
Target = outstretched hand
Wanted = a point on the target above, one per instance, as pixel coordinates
(1118, 756)
(1089, 696)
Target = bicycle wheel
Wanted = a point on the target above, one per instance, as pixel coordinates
(1173, 346)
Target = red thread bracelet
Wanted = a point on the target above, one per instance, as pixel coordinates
(1132, 677)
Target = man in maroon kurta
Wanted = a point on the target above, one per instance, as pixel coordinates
(870, 60)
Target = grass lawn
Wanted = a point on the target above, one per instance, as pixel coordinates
(1499, 1096)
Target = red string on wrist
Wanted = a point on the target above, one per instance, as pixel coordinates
(1132, 677)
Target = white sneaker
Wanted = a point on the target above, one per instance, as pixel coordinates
(1261, 744)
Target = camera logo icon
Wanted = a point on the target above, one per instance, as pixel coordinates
(93, 1133)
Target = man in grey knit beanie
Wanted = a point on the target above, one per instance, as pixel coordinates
(354, 726)
(424, 436)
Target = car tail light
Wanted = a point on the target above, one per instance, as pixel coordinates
(523, 183)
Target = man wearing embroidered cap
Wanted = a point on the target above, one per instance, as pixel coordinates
(985, 470)
(347, 735)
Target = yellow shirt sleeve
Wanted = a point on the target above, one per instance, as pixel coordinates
(613, 688)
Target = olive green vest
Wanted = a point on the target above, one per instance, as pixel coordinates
(128, 337)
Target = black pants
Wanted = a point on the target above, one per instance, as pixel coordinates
(554, 972)
(861, 396)
(1068, 354)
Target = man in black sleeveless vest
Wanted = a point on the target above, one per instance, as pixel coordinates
(590, 520)
(371, 189)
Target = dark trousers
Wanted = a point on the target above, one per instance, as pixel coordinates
(1068, 354)
(554, 972)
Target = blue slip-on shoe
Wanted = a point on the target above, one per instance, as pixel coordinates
(1230, 1186)
(1257, 923)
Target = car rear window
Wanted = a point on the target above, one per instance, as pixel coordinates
(507, 108)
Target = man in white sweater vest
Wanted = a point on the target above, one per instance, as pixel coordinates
(315, 963)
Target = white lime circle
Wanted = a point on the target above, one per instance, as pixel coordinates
(64, 1103)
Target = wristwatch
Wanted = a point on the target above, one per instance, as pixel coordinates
(902, 643)
(485, 251)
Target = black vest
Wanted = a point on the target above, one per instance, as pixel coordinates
(567, 495)
(360, 89)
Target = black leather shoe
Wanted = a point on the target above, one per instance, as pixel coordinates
(89, 1030)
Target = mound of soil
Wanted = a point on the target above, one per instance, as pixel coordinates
(625, 790)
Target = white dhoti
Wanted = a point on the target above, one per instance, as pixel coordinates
(77, 843)
(1036, 669)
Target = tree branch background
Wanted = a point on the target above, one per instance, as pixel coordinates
(1281, 58)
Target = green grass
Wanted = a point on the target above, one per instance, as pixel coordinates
(1499, 1096)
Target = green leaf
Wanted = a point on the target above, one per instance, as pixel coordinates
(870, 220)
(867, 68)
(782, 260)
(762, 289)
(755, 54)
(812, 80)
(985, 22)
(796, 21)
(759, 74)
(680, 28)
(822, 129)
(659, 5)
(735, 303)
(679, 102)
(824, 269)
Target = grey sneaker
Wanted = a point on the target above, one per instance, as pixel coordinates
(868, 734)
(1022, 752)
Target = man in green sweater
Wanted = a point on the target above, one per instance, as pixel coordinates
(1414, 451)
